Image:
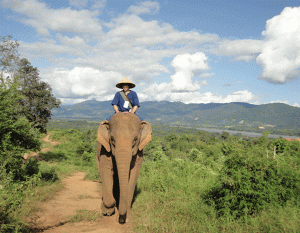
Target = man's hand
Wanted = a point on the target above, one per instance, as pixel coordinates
(116, 108)
(134, 109)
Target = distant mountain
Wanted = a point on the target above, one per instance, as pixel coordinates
(236, 115)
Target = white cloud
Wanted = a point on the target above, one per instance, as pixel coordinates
(280, 56)
(163, 91)
(82, 82)
(296, 105)
(78, 3)
(132, 30)
(146, 7)
(186, 67)
(43, 19)
(99, 4)
(133, 47)
(242, 50)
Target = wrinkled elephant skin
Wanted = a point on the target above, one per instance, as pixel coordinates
(120, 144)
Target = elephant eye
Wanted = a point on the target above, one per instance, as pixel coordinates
(134, 141)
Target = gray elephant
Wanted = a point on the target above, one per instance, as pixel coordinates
(120, 143)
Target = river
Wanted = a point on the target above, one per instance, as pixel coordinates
(247, 134)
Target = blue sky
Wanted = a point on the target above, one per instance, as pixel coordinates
(188, 51)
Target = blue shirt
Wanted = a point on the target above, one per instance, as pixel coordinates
(119, 101)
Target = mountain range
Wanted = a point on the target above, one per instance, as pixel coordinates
(273, 117)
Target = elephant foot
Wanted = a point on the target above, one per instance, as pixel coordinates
(122, 219)
(125, 218)
(107, 211)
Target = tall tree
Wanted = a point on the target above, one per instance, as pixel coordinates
(38, 100)
(16, 132)
(9, 59)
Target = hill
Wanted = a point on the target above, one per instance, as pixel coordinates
(275, 117)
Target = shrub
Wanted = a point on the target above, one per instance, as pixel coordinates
(194, 154)
(281, 145)
(49, 175)
(226, 148)
(84, 147)
(251, 183)
(31, 167)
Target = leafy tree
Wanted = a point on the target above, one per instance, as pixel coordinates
(281, 145)
(9, 59)
(16, 132)
(37, 98)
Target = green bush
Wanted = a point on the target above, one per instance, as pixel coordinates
(281, 145)
(31, 167)
(250, 183)
(49, 175)
(86, 156)
(84, 147)
(226, 148)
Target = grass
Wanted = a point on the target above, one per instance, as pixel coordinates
(170, 200)
(86, 215)
(170, 190)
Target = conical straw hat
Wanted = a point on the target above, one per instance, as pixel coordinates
(127, 81)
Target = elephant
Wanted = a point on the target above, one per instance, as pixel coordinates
(120, 143)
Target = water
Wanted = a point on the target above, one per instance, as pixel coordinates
(243, 133)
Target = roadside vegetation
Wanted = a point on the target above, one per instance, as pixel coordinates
(194, 181)
(191, 181)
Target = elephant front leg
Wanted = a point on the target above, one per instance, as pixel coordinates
(106, 175)
(134, 173)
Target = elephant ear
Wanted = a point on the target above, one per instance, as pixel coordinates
(102, 135)
(146, 134)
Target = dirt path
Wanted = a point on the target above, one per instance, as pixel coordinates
(78, 195)
(36, 154)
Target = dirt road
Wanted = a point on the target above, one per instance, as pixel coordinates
(79, 197)
(46, 139)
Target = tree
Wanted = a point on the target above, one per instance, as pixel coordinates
(16, 133)
(37, 99)
(9, 58)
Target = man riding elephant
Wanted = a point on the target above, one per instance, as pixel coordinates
(126, 100)
(120, 142)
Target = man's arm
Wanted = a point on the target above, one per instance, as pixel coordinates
(116, 108)
(134, 109)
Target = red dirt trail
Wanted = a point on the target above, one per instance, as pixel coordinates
(77, 194)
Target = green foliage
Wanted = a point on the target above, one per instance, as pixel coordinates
(281, 145)
(195, 154)
(226, 148)
(49, 175)
(263, 140)
(250, 183)
(53, 156)
(225, 135)
(15, 131)
(31, 167)
(84, 147)
(9, 58)
(37, 99)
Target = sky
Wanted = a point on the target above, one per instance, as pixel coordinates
(208, 51)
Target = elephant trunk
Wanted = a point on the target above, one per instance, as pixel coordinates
(123, 160)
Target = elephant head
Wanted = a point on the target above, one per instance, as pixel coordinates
(122, 139)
